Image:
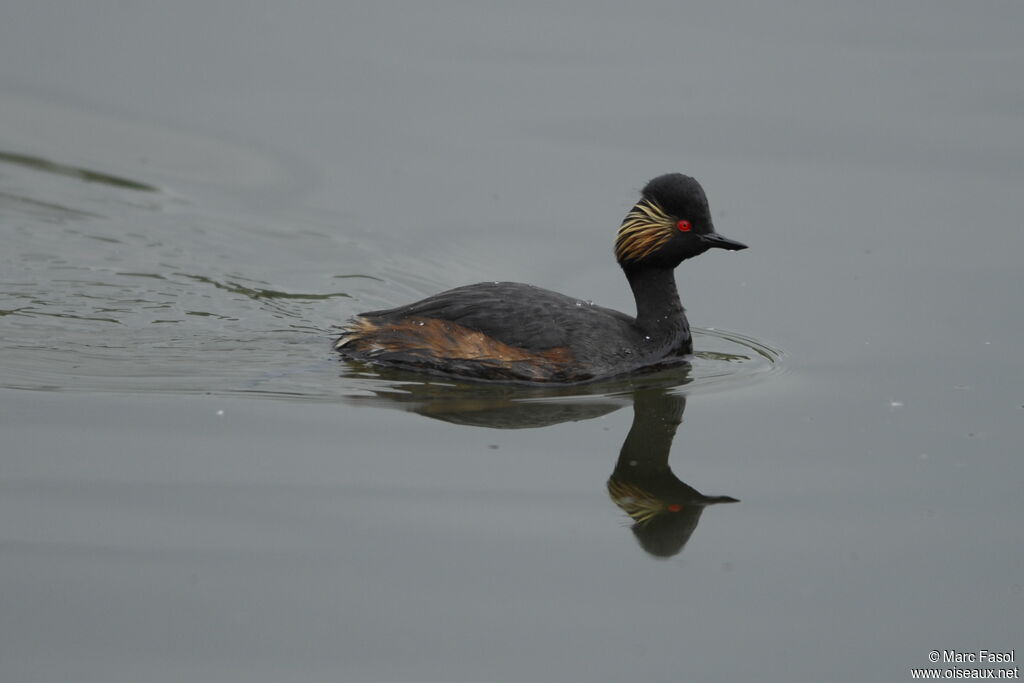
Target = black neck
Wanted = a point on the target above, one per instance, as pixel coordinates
(657, 415)
(658, 309)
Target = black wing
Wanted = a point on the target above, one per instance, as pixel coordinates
(516, 314)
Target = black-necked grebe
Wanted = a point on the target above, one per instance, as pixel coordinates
(515, 332)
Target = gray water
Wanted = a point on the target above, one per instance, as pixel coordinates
(194, 196)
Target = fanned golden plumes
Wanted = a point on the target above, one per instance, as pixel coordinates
(644, 230)
(634, 501)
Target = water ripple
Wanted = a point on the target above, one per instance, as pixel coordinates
(101, 292)
(90, 176)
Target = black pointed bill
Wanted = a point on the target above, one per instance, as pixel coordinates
(716, 241)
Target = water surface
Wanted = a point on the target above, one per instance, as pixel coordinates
(193, 487)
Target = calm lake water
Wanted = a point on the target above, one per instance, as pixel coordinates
(193, 197)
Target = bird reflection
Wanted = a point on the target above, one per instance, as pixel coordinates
(664, 510)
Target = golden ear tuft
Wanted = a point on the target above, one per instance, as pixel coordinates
(644, 230)
(639, 504)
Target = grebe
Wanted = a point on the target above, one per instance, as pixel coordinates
(516, 332)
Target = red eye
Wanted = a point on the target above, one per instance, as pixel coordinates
(684, 226)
